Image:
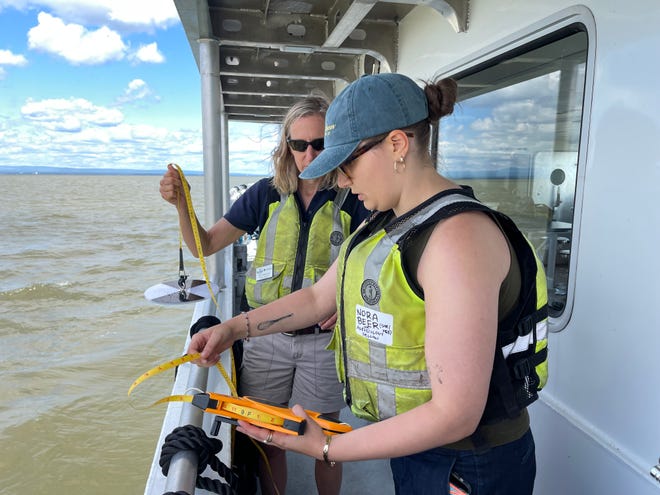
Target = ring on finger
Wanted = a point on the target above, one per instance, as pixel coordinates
(269, 438)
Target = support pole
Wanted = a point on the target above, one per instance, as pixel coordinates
(214, 140)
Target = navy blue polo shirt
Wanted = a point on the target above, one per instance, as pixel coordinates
(250, 211)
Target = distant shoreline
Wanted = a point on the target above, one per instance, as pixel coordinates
(510, 173)
(4, 170)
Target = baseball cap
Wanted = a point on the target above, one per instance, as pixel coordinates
(369, 106)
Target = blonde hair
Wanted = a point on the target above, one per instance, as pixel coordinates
(285, 174)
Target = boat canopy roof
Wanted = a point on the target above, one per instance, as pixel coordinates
(273, 52)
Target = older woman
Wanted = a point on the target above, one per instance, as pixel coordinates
(301, 225)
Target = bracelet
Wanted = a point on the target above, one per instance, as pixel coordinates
(326, 447)
(247, 325)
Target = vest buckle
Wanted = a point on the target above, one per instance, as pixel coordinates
(522, 368)
(525, 325)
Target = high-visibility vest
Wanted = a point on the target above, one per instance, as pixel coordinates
(292, 253)
(380, 332)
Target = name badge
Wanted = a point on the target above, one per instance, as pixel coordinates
(264, 272)
(374, 325)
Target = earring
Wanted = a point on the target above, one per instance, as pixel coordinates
(401, 162)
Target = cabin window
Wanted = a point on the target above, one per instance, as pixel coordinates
(514, 138)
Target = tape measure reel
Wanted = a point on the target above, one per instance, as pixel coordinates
(231, 408)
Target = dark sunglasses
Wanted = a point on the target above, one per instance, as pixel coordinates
(358, 153)
(301, 144)
(361, 151)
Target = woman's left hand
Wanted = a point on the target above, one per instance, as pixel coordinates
(310, 443)
(328, 323)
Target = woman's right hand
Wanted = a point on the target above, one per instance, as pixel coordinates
(171, 189)
(211, 342)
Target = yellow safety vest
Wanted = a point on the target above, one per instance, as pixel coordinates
(291, 253)
(380, 334)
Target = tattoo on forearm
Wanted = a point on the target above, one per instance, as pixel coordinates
(438, 372)
(264, 325)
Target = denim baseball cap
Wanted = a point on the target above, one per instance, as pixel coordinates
(369, 106)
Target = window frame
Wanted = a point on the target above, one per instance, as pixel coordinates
(544, 32)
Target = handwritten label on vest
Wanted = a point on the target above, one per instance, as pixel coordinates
(264, 272)
(374, 325)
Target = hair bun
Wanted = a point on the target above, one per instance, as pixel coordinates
(441, 96)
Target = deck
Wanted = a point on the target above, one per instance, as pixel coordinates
(359, 478)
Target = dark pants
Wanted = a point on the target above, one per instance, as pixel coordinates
(509, 469)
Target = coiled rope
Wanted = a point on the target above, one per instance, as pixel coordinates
(193, 438)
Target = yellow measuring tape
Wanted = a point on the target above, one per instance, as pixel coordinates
(195, 230)
(177, 362)
(236, 409)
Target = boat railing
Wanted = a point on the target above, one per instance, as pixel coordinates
(190, 378)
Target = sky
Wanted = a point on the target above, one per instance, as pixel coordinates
(113, 84)
(105, 84)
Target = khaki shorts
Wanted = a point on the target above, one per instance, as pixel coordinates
(278, 367)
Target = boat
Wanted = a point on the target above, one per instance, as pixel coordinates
(557, 126)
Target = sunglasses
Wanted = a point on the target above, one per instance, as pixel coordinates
(357, 154)
(301, 145)
(361, 151)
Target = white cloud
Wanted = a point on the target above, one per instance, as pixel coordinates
(148, 132)
(49, 135)
(79, 45)
(68, 115)
(76, 133)
(74, 42)
(144, 147)
(16, 4)
(158, 13)
(481, 125)
(9, 58)
(137, 91)
(141, 15)
(148, 53)
(137, 88)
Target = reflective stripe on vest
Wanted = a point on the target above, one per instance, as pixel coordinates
(539, 336)
(280, 261)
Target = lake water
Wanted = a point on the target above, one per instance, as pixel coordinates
(76, 255)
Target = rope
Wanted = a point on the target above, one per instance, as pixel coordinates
(193, 438)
